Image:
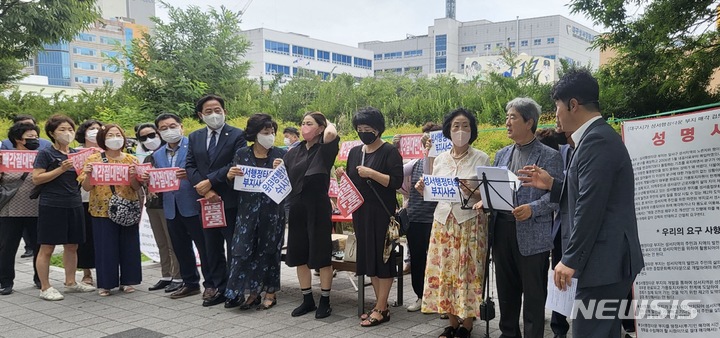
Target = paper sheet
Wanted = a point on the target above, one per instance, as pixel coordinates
(501, 193)
(560, 301)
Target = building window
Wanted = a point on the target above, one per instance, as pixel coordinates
(396, 70)
(468, 49)
(323, 55)
(412, 53)
(342, 59)
(536, 42)
(511, 44)
(55, 64)
(377, 57)
(440, 65)
(499, 45)
(552, 57)
(109, 41)
(86, 79)
(84, 51)
(393, 55)
(108, 80)
(277, 47)
(417, 69)
(323, 75)
(362, 63)
(440, 43)
(109, 68)
(86, 37)
(303, 72)
(109, 54)
(272, 69)
(85, 65)
(486, 47)
(524, 43)
(304, 52)
(550, 41)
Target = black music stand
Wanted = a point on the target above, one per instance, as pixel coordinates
(487, 207)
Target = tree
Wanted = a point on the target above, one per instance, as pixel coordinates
(195, 53)
(27, 25)
(665, 56)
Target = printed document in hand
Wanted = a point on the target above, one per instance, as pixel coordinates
(560, 301)
(502, 191)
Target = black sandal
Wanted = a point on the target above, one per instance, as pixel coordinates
(248, 304)
(448, 332)
(374, 321)
(366, 315)
(462, 332)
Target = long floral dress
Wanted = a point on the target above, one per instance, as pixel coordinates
(258, 237)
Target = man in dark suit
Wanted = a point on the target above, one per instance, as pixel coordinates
(522, 238)
(597, 205)
(210, 153)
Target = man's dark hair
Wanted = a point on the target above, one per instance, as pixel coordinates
(580, 85)
(82, 129)
(54, 122)
(256, 123)
(369, 116)
(447, 123)
(551, 138)
(23, 117)
(430, 126)
(200, 102)
(17, 130)
(165, 116)
(292, 130)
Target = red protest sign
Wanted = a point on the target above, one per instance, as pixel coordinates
(79, 158)
(140, 169)
(213, 214)
(17, 161)
(110, 174)
(411, 146)
(163, 179)
(333, 191)
(345, 148)
(349, 198)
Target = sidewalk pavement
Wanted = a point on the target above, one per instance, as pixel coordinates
(153, 314)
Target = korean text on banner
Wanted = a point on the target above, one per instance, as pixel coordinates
(345, 148)
(252, 178)
(439, 188)
(17, 161)
(140, 169)
(411, 146)
(79, 158)
(162, 180)
(439, 143)
(334, 188)
(110, 174)
(277, 185)
(676, 162)
(213, 214)
(349, 198)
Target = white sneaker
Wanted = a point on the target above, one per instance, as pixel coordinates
(79, 287)
(51, 294)
(415, 306)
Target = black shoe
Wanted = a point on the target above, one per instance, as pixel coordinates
(324, 308)
(217, 299)
(307, 305)
(231, 303)
(185, 291)
(173, 286)
(28, 253)
(6, 290)
(247, 305)
(159, 285)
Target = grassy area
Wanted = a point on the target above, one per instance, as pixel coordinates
(56, 259)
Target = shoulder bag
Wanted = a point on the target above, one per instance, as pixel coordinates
(393, 231)
(8, 190)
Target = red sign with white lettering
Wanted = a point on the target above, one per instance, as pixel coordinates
(411, 146)
(110, 174)
(162, 180)
(213, 214)
(333, 191)
(140, 169)
(349, 198)
(345, 148)
(79, 158)
(17, 161)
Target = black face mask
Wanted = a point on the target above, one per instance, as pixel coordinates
(32, 143)
(367, 137)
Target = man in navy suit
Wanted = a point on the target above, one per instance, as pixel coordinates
(523, 238)
(597, 206)
(210, 153)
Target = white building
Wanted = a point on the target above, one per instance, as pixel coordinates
(449, 42)
(273, 52)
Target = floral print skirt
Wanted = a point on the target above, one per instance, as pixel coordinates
(456, 267)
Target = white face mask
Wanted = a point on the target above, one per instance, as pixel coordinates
(65, 137)
(91, 135)
(152, 143)
(173, 135)
(266, 141)
(214, 120)
(115, 143)
(459, 138)
(287, 142)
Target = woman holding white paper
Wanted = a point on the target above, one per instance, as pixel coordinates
(117, 247)
(456, 255)
(258, 237)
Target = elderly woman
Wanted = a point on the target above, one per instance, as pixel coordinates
(457, 251)
(258, 237)
(310, 225)
(374, 167)
(61, 220)
(20, 211)
(117, 247)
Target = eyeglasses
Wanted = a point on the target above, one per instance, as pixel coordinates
(144, 138)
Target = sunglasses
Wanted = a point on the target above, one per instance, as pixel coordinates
(144, 138)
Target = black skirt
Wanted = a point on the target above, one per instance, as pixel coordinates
(61, 225)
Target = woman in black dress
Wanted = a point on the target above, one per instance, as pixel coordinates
(310, 220)
(377, 164)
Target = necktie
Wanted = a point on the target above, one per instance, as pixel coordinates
(212, 147)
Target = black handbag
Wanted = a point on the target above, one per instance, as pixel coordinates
(8, 191)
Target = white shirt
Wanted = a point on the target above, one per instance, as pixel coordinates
(446, 166)
(209, 135)
(577, 135)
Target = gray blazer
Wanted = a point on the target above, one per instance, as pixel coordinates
(534, 235)
(597, 205)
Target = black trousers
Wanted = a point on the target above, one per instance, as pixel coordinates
(558, 322)
(218, 243)
(601, 328)
(11, 231)
(418, 239)
(519, 276)
(184, 231)
(30, 236)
